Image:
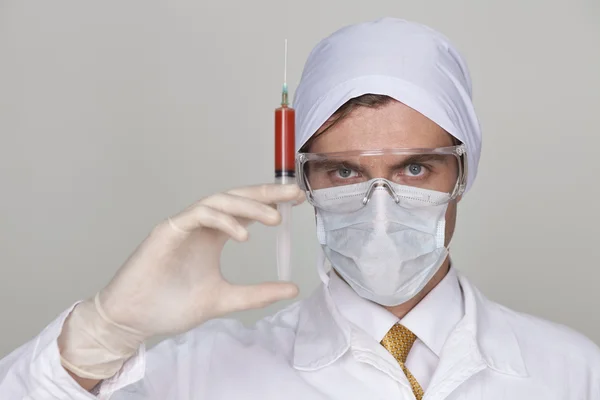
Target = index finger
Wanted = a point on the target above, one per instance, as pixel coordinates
(271, 193)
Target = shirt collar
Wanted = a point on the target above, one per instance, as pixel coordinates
(323, 333)
(432, 319)
(436, 316)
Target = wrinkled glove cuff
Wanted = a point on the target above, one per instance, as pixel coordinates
(94, 347)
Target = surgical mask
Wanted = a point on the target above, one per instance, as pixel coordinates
(390, 248)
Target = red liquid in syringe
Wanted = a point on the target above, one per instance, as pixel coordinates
(285, 120)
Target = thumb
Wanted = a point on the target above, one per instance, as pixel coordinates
(258, 296)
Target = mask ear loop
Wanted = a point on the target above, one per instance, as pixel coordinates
(449, 243)
(323, 267)
(448, 252)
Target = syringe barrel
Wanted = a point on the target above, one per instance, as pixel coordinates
(285, 172)
(285, 167)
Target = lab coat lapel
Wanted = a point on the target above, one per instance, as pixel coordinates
(483, 339)
(460, 360)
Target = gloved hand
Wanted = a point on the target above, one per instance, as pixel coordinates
(173, 281)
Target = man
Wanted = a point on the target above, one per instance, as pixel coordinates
(388, 144)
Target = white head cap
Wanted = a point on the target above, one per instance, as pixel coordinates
(404, 60)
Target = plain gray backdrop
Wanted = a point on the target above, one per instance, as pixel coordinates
(117, 114)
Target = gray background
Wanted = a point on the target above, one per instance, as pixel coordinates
(114, 115)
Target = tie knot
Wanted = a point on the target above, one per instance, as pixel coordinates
(398, 341)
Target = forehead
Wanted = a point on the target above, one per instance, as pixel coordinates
(393, 125)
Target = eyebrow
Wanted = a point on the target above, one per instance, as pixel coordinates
(422, 158)
(330, 164)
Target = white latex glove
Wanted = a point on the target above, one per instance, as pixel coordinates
(173, 281)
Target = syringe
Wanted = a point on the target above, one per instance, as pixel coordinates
(285, 173)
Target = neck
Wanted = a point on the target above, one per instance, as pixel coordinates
(402, 309)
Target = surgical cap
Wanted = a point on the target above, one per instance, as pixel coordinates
(407, 61)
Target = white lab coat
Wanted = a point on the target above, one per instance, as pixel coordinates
(308, 351)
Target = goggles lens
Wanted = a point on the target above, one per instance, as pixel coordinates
(403, 173)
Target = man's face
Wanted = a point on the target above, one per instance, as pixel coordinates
(392, 126)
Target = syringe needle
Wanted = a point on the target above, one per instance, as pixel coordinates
(284, 90)
(285, 64)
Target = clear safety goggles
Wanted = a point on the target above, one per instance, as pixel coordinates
(345, 181)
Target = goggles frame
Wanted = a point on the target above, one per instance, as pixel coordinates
(458, 151)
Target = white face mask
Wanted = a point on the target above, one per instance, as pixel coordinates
(387, 252)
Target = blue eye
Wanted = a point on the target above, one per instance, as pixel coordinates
(344, 172)
(414, 169)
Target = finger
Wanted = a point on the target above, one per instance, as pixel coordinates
(297, 201)
(300, 198)
(242, 298)
(269, 193)
(243, 207)
(204, 216)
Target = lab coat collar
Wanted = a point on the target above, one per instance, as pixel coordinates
(323, 335)
(496, 339)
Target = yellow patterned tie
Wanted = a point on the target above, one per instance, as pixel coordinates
(398, 342)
